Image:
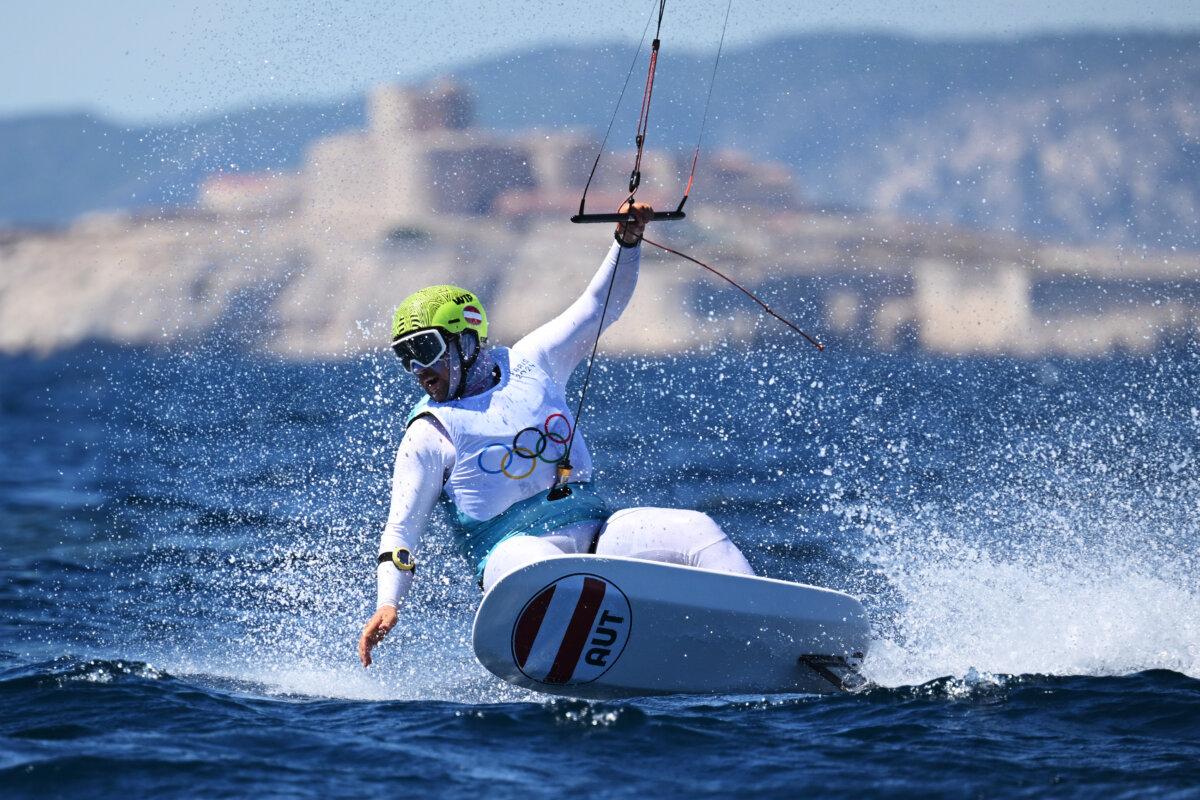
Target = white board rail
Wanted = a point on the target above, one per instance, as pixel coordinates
(608, 627)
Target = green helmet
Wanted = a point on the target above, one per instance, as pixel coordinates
(450, 308)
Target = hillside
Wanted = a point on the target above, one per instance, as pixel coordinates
(1083, 137)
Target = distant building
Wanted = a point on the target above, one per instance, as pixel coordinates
(421, 160)
(232, 193)
(737, 180)
(418, 160)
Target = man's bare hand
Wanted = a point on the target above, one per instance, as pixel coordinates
(631, 232)
(377, 627)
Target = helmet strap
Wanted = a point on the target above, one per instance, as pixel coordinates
(464, 364)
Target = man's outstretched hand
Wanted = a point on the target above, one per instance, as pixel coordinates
(377, 627)
(631, 232)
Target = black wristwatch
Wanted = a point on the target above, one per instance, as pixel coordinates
(401, 558)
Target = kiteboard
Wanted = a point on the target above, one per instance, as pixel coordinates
(604, 627)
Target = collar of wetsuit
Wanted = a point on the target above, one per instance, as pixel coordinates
(467, 368)
(480, 373)
(464, 367)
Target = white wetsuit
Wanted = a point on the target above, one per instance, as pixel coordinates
(427, 458)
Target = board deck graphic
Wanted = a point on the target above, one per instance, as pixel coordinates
(572, 631)
(606, 627)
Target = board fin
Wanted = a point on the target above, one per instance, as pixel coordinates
(839, 671)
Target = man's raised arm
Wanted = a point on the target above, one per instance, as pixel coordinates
(563, 342)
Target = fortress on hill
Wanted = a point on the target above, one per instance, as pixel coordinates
(310, 263)
(421, 161)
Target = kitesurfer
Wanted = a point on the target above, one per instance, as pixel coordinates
(493, 429)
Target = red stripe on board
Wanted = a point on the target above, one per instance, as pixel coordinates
(529, 624)
(577, 631)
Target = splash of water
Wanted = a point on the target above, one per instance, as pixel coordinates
(1056, 535)
(1075, 556)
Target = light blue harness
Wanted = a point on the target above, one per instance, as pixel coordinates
(533, 516)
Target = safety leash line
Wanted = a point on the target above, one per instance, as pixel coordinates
(740, 288)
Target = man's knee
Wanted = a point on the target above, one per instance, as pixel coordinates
(699, 522)
(514, 553)
(676, 520)
(633, 531)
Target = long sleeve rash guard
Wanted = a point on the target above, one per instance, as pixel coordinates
(425, 456)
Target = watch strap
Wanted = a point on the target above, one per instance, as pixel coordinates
(401, 558)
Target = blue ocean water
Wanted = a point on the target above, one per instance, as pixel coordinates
(187, 546)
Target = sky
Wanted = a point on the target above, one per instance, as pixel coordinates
(139, 61)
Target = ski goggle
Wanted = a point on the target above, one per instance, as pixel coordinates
(421, 349)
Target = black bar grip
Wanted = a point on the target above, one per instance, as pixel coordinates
(659, 216)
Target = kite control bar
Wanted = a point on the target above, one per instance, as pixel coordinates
(635, 177)
(659, 216)
(628, 216)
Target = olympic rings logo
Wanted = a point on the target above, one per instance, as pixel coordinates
(530, 444)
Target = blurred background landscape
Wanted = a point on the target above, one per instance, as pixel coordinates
(1027, 195)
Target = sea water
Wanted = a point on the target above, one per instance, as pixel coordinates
(187, 555)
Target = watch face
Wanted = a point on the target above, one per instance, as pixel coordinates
(402, 559)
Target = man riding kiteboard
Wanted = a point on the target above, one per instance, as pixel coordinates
(495, 434)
